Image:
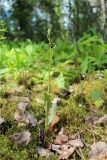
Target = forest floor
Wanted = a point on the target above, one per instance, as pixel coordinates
(79, 131)
(78, 94)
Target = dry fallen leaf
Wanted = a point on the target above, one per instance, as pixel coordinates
(61, 139)
(98, 150)
(1, 120)
(22, 106)
(102, 120)
(21, 138)
(69, 148)
(76, 143)
(91, 119)
(32, 119)
(65, 147)
(54, 122)
(20, 117)
(54, 147)
(43, 152)
(67, 153)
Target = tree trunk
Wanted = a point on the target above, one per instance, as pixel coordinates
(103, 15)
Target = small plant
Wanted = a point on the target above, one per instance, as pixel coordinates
(48, 119)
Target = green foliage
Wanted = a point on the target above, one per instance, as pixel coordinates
(93, 55)
(61, 81)
(18, 56)
(99, 102)
(64, 68)
(84, 65)
(105, 73)
(3, 30)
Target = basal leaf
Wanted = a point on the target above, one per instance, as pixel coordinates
(53, 113)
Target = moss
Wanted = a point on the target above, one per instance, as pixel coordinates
(72, 114)
(89, 87)
(8, 110)
(10, 151)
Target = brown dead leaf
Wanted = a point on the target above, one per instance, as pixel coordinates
(22, 106)
(102, 120)
(54, 122)
(67, 153)
(76, 143)
(32, 119)
(57, 148)
(20, 117)
(65, 146)
(60, 139)
(21, 138)
(69, 148)
(43, 152)
(98, 150)
(91, 119)
(54, 147)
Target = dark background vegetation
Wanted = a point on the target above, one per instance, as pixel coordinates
(30, 19)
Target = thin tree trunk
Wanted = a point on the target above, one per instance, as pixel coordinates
(72, 28)
(103, 15)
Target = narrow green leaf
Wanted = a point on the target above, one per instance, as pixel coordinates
(53, 113)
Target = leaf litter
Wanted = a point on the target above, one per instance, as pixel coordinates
(64, 146)
(21, 117)
(98, 151)
(22, 138)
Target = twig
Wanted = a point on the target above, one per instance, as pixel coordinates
(79, 153)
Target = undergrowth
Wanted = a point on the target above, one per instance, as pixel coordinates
(24, 73)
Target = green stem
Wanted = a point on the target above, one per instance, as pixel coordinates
(49, 68)
(49, 78)
(46, 120)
